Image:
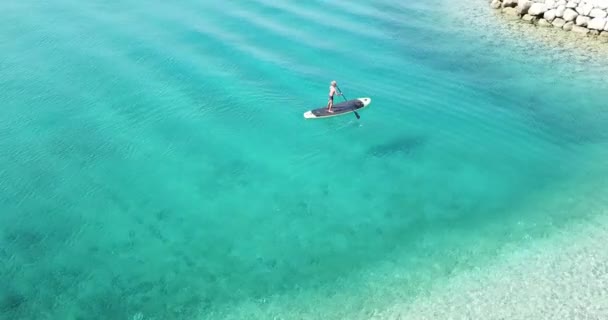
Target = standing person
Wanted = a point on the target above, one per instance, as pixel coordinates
(332, 92)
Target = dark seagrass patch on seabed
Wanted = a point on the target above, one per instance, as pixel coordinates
(403, 145)
(10, 302)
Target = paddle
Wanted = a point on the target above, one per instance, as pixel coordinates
(356, 114)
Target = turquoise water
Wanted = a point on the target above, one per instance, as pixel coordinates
(155, 164)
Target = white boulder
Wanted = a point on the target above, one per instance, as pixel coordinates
(602, 4)
(571, 4)
(549, 15)
(570, 15)
(584, 7)
(597, 13)
(587, 7)
(597, 24)
(537, 9)
(559, 12)
(523, 6)
(579, 9)
(582, 21)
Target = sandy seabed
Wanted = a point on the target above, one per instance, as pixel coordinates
(562, 278)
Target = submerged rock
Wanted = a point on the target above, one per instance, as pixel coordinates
(579, 29)
(544, 23)
(559, 22)
(603, 36)
(528, 18)
(568, 26)
(495, 4)
(510, 13)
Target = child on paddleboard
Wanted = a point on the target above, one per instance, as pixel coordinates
(332, 92)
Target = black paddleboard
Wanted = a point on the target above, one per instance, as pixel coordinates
(338, 109)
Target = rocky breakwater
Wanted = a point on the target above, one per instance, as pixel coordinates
(586, 17)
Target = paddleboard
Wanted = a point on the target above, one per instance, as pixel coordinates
(338, 109)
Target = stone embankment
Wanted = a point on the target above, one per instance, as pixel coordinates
(587, 17)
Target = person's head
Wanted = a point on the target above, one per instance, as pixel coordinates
(334, 83)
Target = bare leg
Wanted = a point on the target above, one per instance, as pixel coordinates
(329, 105)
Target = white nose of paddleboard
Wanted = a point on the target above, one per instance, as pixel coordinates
(366, 101)
(309, 115)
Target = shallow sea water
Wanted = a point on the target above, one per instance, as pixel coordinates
(155, 164)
